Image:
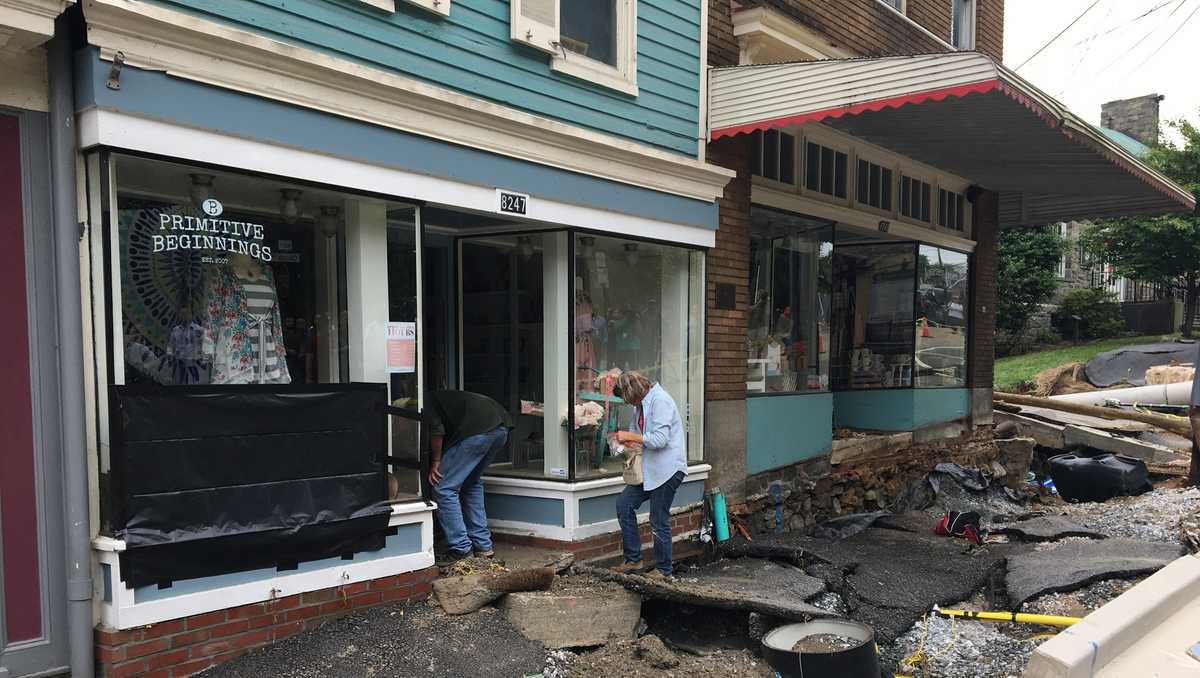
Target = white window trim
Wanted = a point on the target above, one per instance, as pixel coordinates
(1060, 269)
(762, 30)
(912, 22)
(622, 77)
(385, 5)
(900, 165)
(797, 167)
(903, 9)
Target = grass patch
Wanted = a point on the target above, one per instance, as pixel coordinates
(1013, 371)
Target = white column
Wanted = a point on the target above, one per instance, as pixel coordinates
(557, 372)
(366, 289)
(326, 321)
(695, 406)
(674, 306)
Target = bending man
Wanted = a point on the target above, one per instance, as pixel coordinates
(466, 432)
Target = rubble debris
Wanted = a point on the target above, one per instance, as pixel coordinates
(863, 446)
(1154, 516)
(632, 659)
(463, 595)
(1080, 602)
(1045, 528)
(918, 522)
(1128, 364)
(890, 578)
(940, 646)
(652, 651)
(574, 616)
(1074, 563)
(744, 584)
(847, 526)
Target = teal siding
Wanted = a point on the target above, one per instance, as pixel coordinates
(882, 410)
(536, 510)
(899, 409)
(782, 430)
(471, 52)
(939, 405)
(158, 96)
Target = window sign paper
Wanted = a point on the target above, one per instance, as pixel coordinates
(401, 347)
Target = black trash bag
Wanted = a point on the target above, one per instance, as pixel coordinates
(1098, 478)
(969, 478)
(846, 526)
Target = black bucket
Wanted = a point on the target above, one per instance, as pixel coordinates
(860, 661)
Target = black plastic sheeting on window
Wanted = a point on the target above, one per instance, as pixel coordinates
(215, 479)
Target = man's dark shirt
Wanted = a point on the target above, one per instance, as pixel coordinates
(458, 415)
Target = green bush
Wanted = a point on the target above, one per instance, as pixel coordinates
(1098, 313)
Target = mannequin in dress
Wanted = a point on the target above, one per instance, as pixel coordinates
(244, 333)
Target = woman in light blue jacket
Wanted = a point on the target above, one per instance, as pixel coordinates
(658, 428)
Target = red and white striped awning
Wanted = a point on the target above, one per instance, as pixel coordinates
(961, 112)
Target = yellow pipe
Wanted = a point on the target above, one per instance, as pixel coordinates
(1018, 617)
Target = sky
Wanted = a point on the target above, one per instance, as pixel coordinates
(1109, 53)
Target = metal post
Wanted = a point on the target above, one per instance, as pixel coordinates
(67, 233)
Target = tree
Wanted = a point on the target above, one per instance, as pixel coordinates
(1164, 250)
(1025, 276)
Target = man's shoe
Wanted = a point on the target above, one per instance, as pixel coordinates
(453, 557)
(489, 554)
(625, 568)
(658, 575)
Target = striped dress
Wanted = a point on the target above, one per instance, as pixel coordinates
(244, 334)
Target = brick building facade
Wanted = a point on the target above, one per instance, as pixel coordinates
(865, 28)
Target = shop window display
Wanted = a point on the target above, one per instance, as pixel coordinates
(941, 328)
(873, 307)
(224, 279)
(635, 308)
(790, 283)
(220, 292)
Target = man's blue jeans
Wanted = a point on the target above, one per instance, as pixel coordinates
(459, 495)
(632, 497)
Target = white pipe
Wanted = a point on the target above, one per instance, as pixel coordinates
(1158, 394)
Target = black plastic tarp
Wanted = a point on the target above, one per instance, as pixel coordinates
(218, 479)
(1128, 364)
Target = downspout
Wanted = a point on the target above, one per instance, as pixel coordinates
(67, 233)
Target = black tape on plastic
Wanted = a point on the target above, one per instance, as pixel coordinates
(211, 480)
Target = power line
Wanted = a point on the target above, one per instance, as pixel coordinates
(1056, 37)
(1103, 71)
(1132, 21)
(1164, 42)
(1087, 50)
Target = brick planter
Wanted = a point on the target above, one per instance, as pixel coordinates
(182, 647)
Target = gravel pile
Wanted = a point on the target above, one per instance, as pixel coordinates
(963, 649)
(1153, 516)
(415, 639)
(1079, 603)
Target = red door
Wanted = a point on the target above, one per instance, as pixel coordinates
(20, 589)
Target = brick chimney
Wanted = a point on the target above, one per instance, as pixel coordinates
(1137, 117)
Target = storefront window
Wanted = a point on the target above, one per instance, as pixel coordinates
(636, 307)
(503, 341)
(788, 326)
(873, 303)
(224, 279)
(402, 354)
(941, 329)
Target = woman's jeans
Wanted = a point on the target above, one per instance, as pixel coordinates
(460, 493)
(660, 520)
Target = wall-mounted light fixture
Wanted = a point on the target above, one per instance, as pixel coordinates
(631, 253)
(201, 188)
(330, 220)
(289, 204)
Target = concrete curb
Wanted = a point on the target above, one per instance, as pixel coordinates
(1083, 650)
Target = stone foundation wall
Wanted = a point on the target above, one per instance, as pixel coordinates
(817, 491)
